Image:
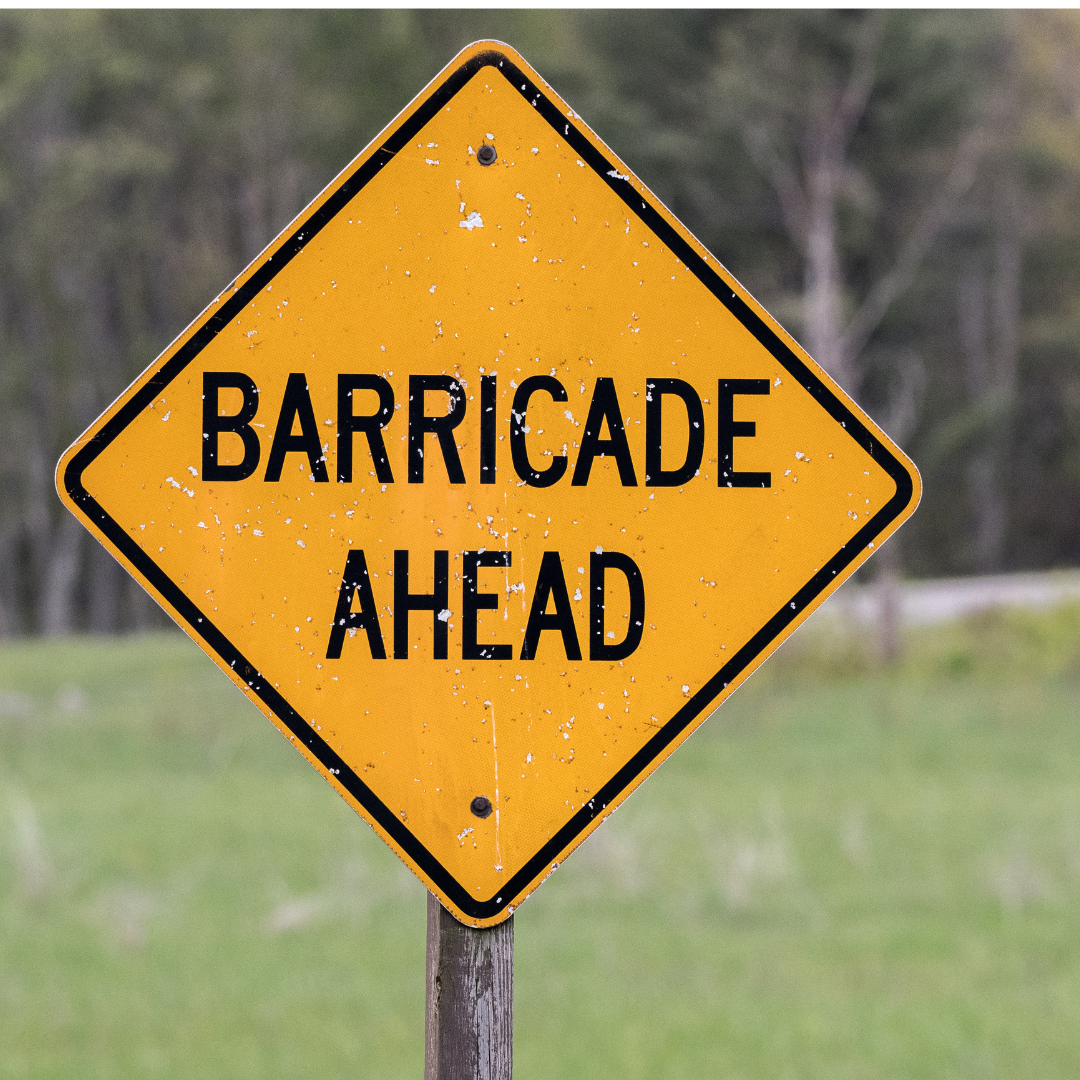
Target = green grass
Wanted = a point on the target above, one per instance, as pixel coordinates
(846, 873)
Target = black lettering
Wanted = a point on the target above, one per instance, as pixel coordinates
(730, 429)
(488, 428)
(240, 424)
(435, 601)
(605, 405)
(371, 426)
(598, 564)
(655, 391)
(356, 581)
(518, 448)
(442, 427)
(296, 405)
(474, 601)
(550, 583)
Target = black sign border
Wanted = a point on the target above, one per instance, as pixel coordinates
(701, 701)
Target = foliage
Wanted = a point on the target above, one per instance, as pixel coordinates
(996, 645)
(900, 188)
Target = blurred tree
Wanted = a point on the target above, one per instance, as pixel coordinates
(901, 189)
(146, 158)
(816, 106)
(995, 433)
(1038, 445)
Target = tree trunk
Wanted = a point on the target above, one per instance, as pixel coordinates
(887, 586)
(989, 337)
(9, 592)
(57, 591)
(822, 281)
(104, 591)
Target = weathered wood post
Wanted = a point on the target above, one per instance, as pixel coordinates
(469, 1025)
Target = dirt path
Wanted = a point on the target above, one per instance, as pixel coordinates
(926, 602)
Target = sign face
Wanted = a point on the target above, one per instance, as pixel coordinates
(487, 483)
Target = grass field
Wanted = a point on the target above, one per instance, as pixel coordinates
(846, 873)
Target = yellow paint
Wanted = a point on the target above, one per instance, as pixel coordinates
(562, 279)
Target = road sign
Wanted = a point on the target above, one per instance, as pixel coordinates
(487, 483)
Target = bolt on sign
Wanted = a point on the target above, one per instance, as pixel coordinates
(487, 483)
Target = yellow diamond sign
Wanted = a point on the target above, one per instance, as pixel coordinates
(487, 483)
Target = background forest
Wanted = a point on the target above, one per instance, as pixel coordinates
(901, 189)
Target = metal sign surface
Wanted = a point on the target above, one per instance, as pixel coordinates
(486, 483)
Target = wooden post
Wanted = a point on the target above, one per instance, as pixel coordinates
(469, 1027)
